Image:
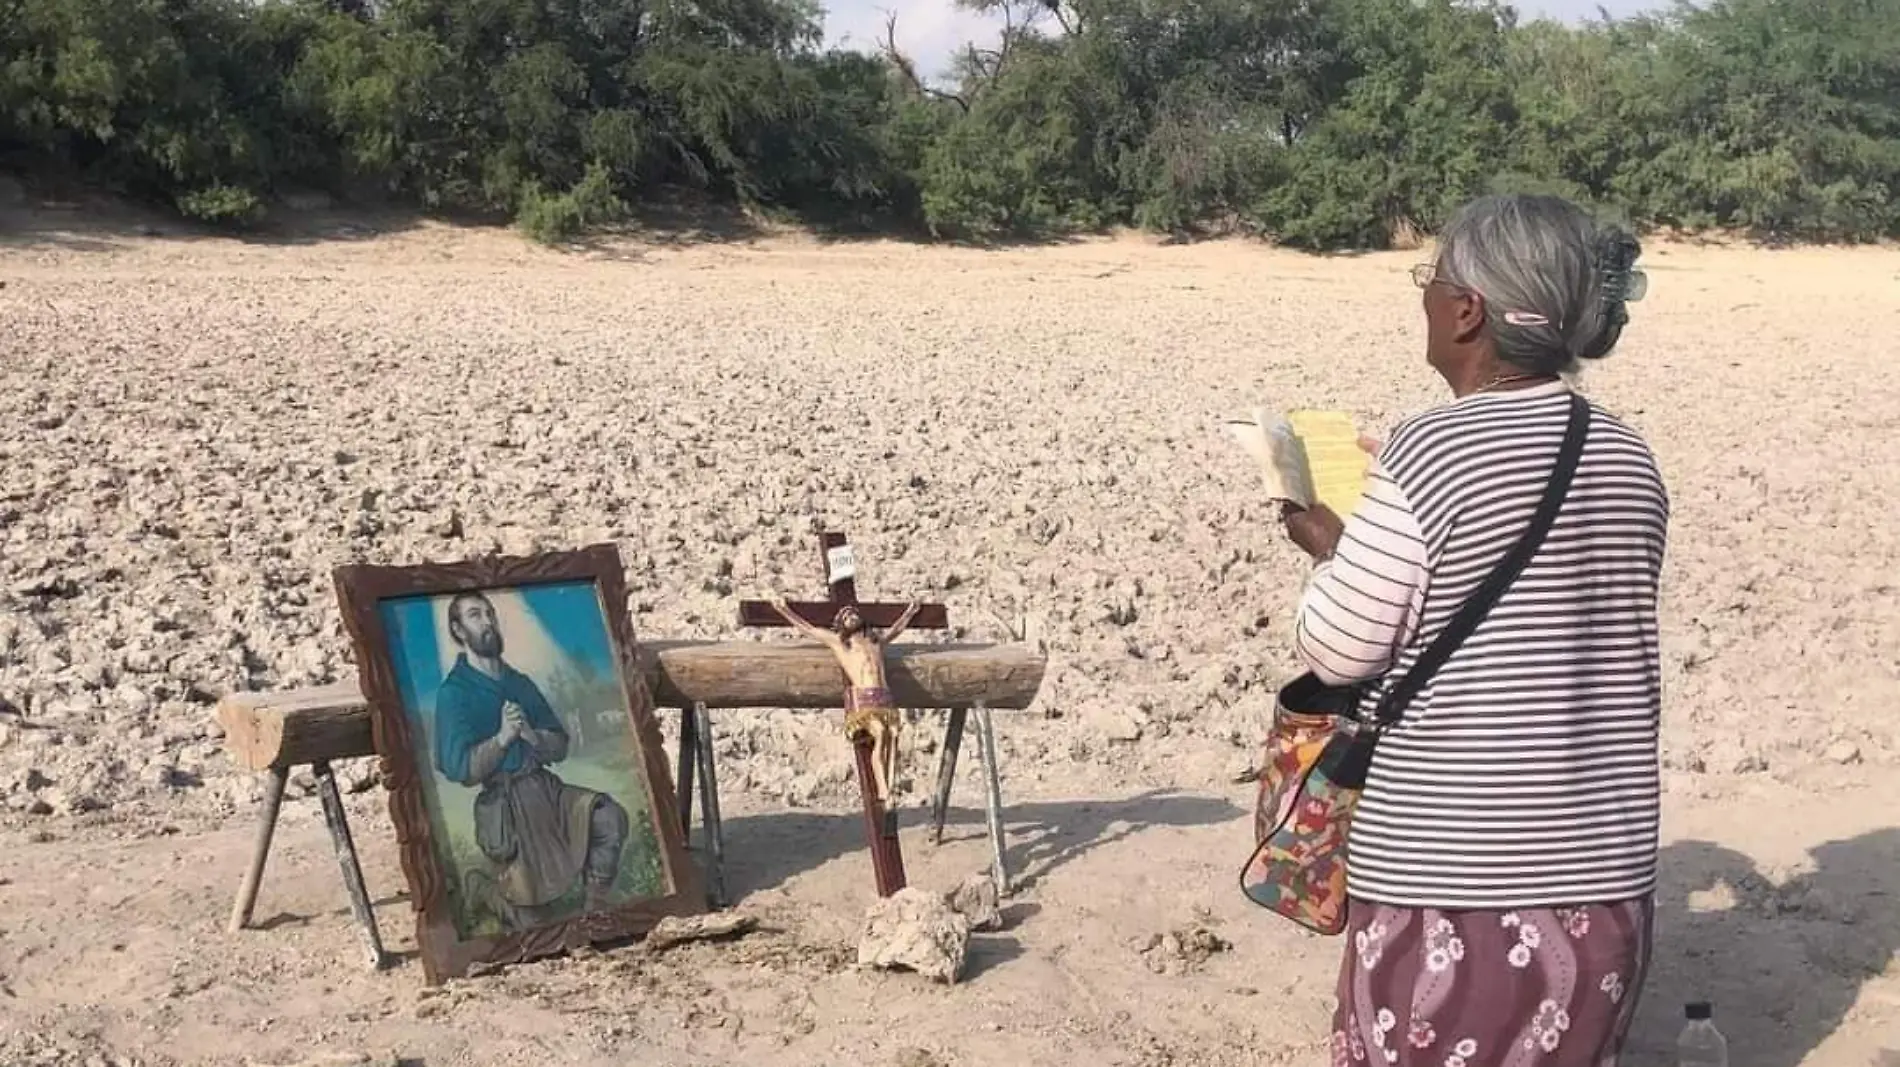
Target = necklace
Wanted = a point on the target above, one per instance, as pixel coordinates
(1505, 379)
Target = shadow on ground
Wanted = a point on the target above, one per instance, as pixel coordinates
(1783, 962)
(765, 851)
(97, 223)
(302, 919)
(75, 218)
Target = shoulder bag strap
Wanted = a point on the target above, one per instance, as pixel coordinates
(1475, 609)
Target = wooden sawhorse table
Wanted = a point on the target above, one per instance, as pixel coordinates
(276, 732)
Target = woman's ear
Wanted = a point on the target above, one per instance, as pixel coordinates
(1465, 309)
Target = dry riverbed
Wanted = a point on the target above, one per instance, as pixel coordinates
(193, 432)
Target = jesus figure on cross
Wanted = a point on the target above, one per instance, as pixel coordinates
(868, 707)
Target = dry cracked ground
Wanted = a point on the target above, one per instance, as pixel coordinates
(195, 431)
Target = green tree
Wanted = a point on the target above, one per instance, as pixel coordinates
(1318, 123)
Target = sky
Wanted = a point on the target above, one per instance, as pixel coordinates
(929, 31)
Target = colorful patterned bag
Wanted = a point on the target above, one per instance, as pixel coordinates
(1320, 747)
(1302, 813)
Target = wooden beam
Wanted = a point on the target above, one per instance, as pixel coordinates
(749, 674)
(286, 728)
(824, 612)
(292, 727)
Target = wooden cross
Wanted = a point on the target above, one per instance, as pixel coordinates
(880, 826)
(841, 584)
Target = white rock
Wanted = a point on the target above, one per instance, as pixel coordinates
(975, 899)
(1118, 726)
(1842, 752)
(132, 698)
(1242, 769)
(915, 930)
(678, 930)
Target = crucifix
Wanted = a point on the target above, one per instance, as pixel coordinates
(856, 633)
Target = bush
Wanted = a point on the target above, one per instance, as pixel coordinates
(221, 204)
(590, 203)
(1322, 124)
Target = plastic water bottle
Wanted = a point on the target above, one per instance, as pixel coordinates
(1701, 1044)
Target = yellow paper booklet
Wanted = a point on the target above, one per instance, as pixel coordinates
(1306, 456)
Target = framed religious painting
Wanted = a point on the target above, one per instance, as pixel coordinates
(527, 780)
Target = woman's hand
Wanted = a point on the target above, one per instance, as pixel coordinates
(1315, 529)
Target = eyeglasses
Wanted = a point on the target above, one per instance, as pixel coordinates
(1424, 274)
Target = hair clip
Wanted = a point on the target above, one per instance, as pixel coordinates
(1616, 260)
(1635, 285)
(1525, 318)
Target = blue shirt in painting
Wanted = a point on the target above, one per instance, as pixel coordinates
(468, 712)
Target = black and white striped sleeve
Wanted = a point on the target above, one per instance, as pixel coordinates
(1364, 603)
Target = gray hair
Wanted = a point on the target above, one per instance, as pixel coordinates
(1556, 283)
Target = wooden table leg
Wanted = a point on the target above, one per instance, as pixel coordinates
(274, 781)
(688, 760)
(993, 786)
(346, 858)
(709, 809)
(947, 772)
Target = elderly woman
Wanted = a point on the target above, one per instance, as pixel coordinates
(1502, 858)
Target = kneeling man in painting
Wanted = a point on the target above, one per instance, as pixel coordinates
(494, 729)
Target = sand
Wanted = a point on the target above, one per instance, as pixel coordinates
(193, 431)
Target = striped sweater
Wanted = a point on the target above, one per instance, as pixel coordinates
(1525, 772)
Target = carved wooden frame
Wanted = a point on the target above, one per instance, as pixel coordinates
(361, 588)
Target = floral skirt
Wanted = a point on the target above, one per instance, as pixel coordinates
(1550, 987)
